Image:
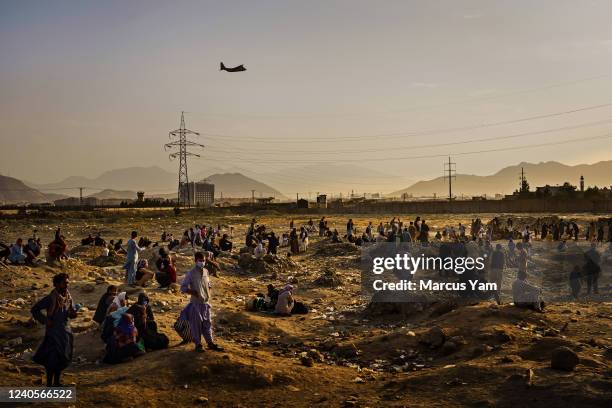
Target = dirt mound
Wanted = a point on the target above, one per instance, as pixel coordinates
(329, 278)
(191, 370)
(85, 252)
(543, 348)
(268, 264)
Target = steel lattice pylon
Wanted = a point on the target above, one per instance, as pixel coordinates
(180, 140)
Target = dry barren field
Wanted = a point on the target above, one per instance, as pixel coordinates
(344, 352)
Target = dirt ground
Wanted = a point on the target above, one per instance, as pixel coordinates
(341, 354)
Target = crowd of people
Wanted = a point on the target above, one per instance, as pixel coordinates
(129, 329)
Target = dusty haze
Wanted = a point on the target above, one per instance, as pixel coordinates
(93, 86)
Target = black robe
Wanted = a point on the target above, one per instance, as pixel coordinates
(144, 320)
(103, 305)
(55, 352)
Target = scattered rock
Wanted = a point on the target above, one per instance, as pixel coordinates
(307, 361)
(564, 358)
(434, 337)
(329, 278)
(315, 355)
(202, 400)
(449, 348)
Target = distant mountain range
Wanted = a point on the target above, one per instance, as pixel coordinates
(156, 182)
(124, 183)
(239, 185)
(132, 178)
(506, 181)
(15, 191)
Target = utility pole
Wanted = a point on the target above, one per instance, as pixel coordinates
(81, 197)
(253, 197)
(180, 140)
(450, 174)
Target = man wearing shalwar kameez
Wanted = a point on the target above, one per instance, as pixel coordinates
(55, 352)
(131, 264)
(196, 282)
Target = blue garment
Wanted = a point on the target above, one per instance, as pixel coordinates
(17, 255)
(116, 315)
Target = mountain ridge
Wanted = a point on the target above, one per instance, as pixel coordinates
(506, 180)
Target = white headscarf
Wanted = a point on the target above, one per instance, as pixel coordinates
(120, 298)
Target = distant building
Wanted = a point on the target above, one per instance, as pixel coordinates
(551, 191)
(75, 202)
(113, 202)
(322, 201)
(264, 200)
(302, 203)
(140, 196)
(199, 193)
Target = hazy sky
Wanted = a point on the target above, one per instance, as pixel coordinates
(88, 86)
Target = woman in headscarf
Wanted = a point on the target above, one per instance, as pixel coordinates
(55, 352)
(123, 345)
(285, 301)
(104, 303)
(116, 309)
(143, 273)
(144, 320)
(166, 270)
(119, 301)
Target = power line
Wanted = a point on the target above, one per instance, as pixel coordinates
(429, 132)
(395, 148)
(431, 156)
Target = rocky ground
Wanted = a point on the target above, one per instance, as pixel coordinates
(345, 352)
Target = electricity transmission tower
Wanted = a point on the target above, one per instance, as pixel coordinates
(180, 140)
(523, 184)
(450, 170)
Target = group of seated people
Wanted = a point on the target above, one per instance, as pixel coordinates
(20, 253)
(278, 301)
(165, 274)
(95, 241)
(27, 253)
(201, 237)
(128, 331)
